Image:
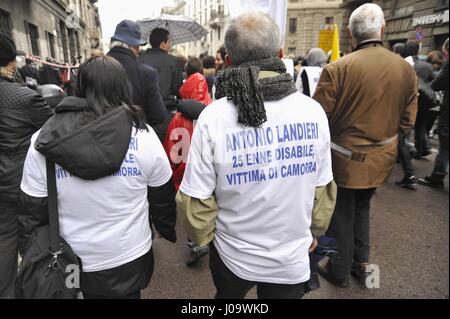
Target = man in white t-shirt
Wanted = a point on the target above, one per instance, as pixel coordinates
(258, 161)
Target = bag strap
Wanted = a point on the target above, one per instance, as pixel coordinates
(52, 199)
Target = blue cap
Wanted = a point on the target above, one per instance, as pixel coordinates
(128, 32)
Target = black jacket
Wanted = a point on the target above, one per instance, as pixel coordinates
(22, 113)
(91, 147)
(170, 75)
(30, 71)
(441, 84)
(49, 75)
(144, 81)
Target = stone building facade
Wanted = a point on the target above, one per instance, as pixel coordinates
(425, 21)
(306, 18)
(63, 30)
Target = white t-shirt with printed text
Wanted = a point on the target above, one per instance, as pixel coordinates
(264, 181)
(105, 221)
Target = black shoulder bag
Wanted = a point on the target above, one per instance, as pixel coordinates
(49, 269)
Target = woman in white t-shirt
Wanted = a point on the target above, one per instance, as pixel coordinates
(111, 172)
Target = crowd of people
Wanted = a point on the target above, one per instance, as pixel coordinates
(257, 164)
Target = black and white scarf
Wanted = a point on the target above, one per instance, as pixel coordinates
(242, 85)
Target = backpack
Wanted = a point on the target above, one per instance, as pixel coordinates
(49, 269)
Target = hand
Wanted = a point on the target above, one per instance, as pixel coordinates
(313, 245)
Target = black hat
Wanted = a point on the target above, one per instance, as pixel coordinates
(7, 50)
(128, 32)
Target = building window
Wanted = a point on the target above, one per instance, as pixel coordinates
(5, 26)
(292, 50)
(77, 43)
(33, 35)
(51, 44)
(73, 49)
(63, 34)
(293, 25)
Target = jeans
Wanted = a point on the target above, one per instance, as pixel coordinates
(405, 155)
(230, 286)
(441, 162)
(350, 227)
(421, 134)
(8, 248)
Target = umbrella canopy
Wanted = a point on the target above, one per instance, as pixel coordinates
(182, 29)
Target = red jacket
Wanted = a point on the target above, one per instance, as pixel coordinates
(196, 88)
(176, 145)
(179, 135)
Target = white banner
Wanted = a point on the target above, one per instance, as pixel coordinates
(277, 9)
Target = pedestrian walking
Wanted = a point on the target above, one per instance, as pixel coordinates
(255, 164)
(405, 152)
(310, 74)
(125, 45)
(440, 83)
(424, 71)
(209, 71)
(367, 102)
(168, 67)
(196, 86)
(112, 173)
(49, 75)
(22, 113)
(29, 70)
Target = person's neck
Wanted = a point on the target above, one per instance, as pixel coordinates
(163, 50)
(7, 73)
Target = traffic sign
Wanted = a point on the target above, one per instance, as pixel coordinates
(419, 35)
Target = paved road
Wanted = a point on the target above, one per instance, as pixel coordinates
(410, 244)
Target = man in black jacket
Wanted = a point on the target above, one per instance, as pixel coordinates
(49, 75)
(29, 70)
(424, 71)
(22, 113)
(441, 164)
(168, 67)
(144, 80)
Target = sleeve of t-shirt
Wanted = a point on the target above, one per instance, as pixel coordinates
(325, 168)
(154, 164)
(200, 177)
(34, 177)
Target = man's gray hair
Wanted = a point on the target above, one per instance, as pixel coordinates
(116, 43)
(252, 37)
(366, 22)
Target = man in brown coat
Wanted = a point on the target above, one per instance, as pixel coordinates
(368, 96)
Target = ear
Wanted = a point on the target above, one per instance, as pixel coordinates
(349, 33)
(228, 60)
(281, 53)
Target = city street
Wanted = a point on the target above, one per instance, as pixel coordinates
(410, 244)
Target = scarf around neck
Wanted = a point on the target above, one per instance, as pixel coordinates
(244, 86)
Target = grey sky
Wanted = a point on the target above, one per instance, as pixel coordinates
(114, 11)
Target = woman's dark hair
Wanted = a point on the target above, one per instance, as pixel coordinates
(412, 48)
(399, 48)
(223, 52)
(102, 81)
(209, 62)
(193, 66)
